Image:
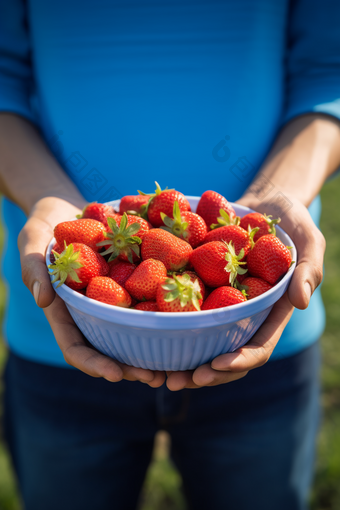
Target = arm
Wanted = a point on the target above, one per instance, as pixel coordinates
(306, 152)
(32, 178)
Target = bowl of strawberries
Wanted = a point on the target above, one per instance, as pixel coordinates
(168, 282)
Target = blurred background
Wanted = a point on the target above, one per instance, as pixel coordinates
(162, 487)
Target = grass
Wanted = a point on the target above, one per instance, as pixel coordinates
(162, 487)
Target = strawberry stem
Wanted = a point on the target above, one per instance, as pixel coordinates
(65, 265)
(121, 239)
(271, 223)
(176, 225)
(181, 287)
(225, 220)
(233, 266)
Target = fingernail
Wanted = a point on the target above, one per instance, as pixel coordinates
(36, 290)
(308, 290)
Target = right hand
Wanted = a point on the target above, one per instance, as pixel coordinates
(32, 242)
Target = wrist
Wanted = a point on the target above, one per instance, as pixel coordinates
(54, 209)
(304, 154)
(52, 196)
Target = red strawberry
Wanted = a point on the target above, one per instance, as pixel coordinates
(84, 231)
(216, 263)
(76, 265)
(269, 259)
(144, 281)
(169, 249)
(134, 203)
(187, 225)
(179, 294)
(193, 278)
(209, 207)
(254, 286)
(223, 296)
(241, 239)
(264, 223)
(147, 306)
(106, 290)
(122, 242)
(56, 248)
(98, 212)
(163, 202)
(121, 271)
(104, 265)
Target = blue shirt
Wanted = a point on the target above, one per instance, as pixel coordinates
(188, 93)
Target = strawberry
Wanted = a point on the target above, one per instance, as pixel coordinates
(121, 242)
(179, 294)
(270, 259)
(169, 249)
(103, 264)
(76, 265)
(98, 212)
(84, 231)
(187, 225)
(223, 296)
(224, 219)
(241, 239)
(163, 202)
(55, 248)
(264, 223)
(147, 306)
(209, 207)
(121, 271)
(254, 286)
(209, 261)
(193, 278)
(106, 290)
(144, 281)
(134, 204)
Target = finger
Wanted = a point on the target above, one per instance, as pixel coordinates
(207, 376)
(32, 242)
(310, 245)
(259, 349)
(152, 378)
(158, 380)
(179, 380)
(77, 352)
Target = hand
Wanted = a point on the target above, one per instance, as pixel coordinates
(32, 242)
(310, 245)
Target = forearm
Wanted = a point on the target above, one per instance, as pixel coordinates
(305, 153)
(28, 170)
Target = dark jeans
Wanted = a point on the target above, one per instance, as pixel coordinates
(84, 443)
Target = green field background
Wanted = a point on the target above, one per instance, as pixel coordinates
(162, 487)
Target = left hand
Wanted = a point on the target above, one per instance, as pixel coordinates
(310, 245)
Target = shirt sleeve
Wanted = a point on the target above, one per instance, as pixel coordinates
(313, 58)
(16, 77)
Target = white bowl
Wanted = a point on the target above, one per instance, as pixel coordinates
(171, 341)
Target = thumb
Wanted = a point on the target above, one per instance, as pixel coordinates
(310, 245)
(32, 242)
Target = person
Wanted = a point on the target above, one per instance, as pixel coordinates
(97, 101)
